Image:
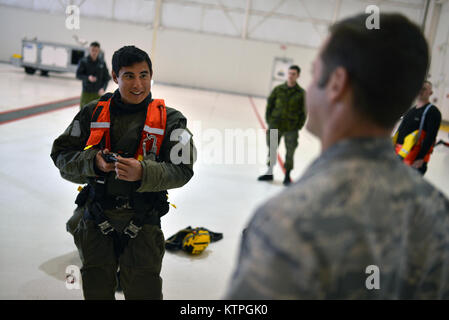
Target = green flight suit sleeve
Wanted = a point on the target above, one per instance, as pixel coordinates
(75, 164)
(168, 174)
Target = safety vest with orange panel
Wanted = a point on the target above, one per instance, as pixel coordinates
(152, 133)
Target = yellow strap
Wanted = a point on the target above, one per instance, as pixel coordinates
(88, 147)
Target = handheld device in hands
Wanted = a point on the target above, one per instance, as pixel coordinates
(109, 157)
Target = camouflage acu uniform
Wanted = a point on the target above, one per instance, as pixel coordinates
(286, 113)
(141, 261)
(357, 205)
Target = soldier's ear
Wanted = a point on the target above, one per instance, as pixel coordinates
(114, 77)
(337, 84)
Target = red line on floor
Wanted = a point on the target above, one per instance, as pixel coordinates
(39, 113)
(262, 124)
(39, 105)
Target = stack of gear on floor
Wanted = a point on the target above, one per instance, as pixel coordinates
(193, 241)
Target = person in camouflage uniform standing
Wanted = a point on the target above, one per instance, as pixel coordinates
(285, 113)
(117, 222)
(359, 224)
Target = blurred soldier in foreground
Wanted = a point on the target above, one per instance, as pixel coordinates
(359, 224)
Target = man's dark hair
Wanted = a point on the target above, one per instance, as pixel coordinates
(386, 66)
(95, 44)
(430, 83)
(295, 67)
(129, 55)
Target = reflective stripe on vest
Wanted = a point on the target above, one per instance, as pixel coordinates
(153, 130)
(100, 124)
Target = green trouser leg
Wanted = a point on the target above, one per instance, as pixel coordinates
(73, 222)
(87, 97)
(141, 263)
(99, 270)
(291, 143)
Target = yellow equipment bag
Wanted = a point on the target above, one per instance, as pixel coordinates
(192, 240)
(196, 241)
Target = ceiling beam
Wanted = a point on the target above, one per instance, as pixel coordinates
(252, 12)
(246, 19)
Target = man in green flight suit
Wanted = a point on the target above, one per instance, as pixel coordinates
(129, 149)
(286, 114)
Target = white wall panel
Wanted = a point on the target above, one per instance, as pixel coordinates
(216, 21)
(137, 11)
(49, 6)
(28, 4)
(286, 31)
(229, 3)
(183, 17)
(97, 8)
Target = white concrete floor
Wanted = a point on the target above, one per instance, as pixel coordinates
(36, 202)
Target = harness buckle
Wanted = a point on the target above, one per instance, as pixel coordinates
(153, 150)
(122, 203)
(132, 230)
(106, 228)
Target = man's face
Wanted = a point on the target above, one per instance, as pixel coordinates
(426, 91)
(94, 52)
(134, 82)
(293, 75)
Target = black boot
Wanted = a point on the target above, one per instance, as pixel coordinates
(287, 180)
(266, 177)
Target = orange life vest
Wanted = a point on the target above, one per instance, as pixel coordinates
(410, 155)
(152, 133)
(412, 143)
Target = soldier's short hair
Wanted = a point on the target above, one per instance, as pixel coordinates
(94, 44)
(127, 56)
(295, 67)
(386, 66)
